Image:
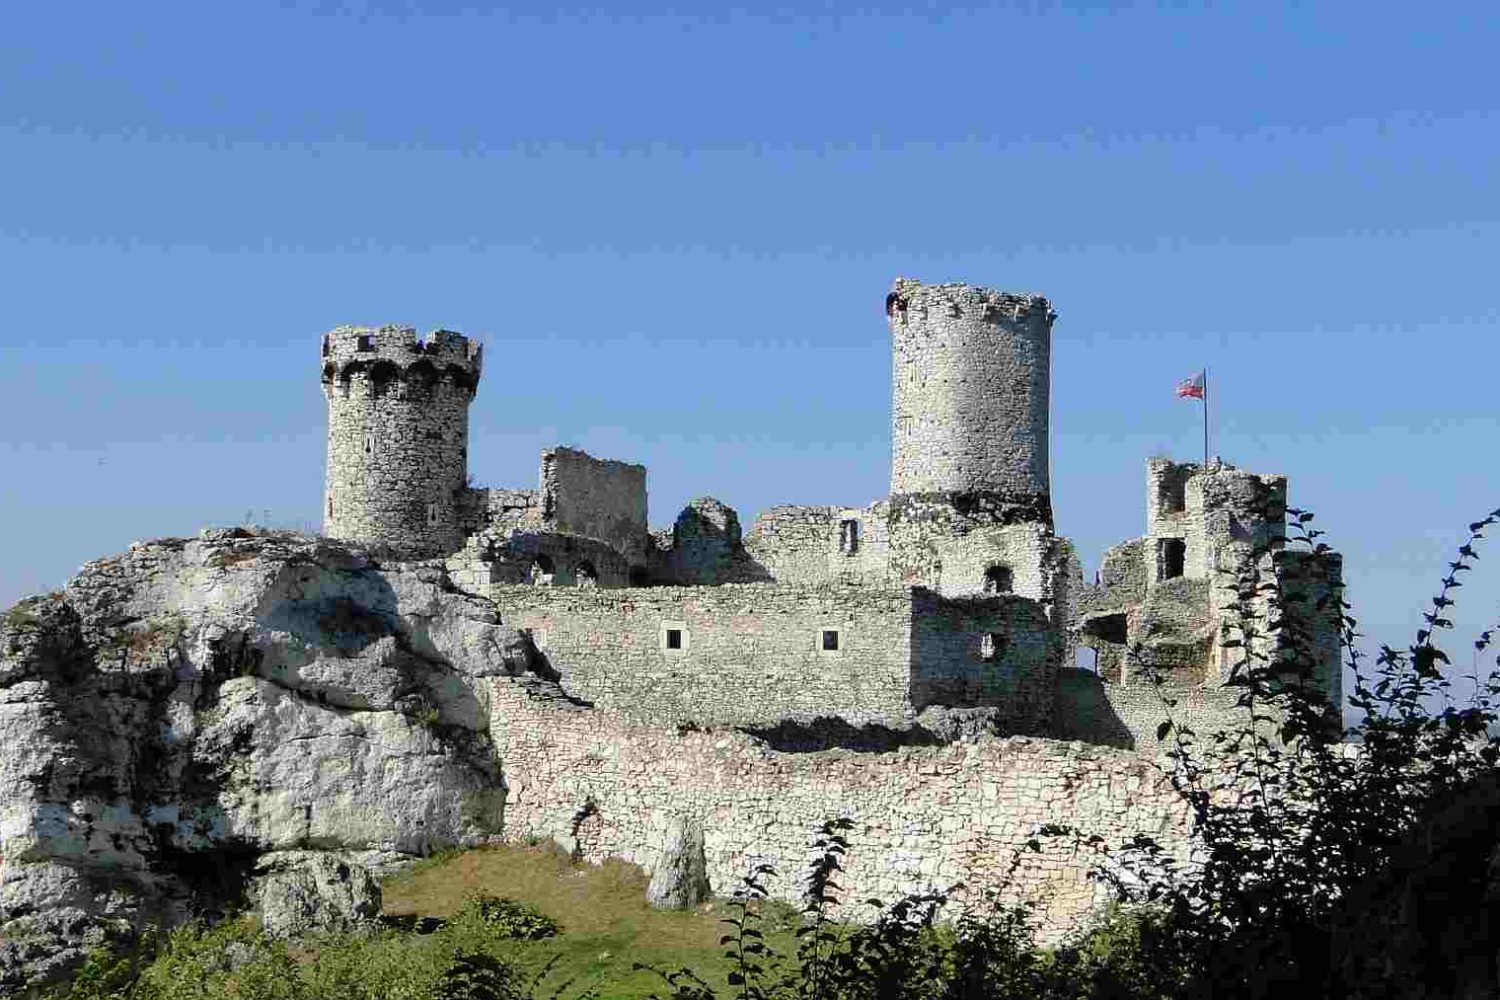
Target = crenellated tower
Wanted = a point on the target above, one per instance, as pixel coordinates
(971, 372)
(398, 435)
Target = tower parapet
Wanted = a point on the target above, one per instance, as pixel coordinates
(398, 435)
(971, 370)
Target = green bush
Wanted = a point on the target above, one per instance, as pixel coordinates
(507, 918)
(477, 976)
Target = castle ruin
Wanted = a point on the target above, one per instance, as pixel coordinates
(708, 668)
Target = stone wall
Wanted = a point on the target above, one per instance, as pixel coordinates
(936, 545)
(915, 541)
(500, 510)
(704, 547)
(971, 382)
(1208, 510)
(924, 817)
(757, 654)
(544, 558)
(398, 436)
(996, 651)
(815, 544)
(1128, 713)
(749, 653)
(595, 498)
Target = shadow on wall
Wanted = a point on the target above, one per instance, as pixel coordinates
(828, 733)
(1082, 711)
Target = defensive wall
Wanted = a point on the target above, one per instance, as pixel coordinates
(924, 817)
(748, 654)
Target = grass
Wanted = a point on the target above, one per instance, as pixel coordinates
(23, 614)
(607, 926)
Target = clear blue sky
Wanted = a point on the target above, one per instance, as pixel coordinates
(674, 229)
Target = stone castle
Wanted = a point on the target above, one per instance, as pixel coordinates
(950, 605)
(278, 718)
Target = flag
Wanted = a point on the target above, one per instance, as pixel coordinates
(1191, 388)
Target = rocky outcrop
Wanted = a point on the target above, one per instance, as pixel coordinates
(186, 708)
(681, 877)
(301, 891)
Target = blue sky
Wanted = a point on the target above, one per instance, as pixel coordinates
(674, 228)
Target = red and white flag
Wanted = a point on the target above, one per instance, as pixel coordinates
(1191, 388)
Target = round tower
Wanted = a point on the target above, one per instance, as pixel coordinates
(398, 436)
(970, 374)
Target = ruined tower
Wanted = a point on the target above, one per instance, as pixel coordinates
(398, 435)
(970, 508)
(970, 372)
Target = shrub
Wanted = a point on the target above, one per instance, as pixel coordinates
(508, 918)
(476, 976)
(1292, 822)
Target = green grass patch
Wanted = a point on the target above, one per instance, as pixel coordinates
(606, 926)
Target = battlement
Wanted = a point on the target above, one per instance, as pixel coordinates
(387, 352)
(398, 435)
(956, 300)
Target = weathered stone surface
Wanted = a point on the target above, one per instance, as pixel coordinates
(971, 374)
(301, 891)
(1210, 580)
(188, 706)
(681, 876)
(754, 654)
(930, 816)
(398, 435)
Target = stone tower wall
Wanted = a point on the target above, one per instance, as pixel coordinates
(595, 498)
(398, 436)
(970, 385)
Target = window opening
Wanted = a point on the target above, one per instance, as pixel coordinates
(326, 349)
(992, 646)
(1173, 558)
(1174, 494)
(330, 506)
(541, 571)
(369, 444)
(848, 536)
(432, 513)
(674, 638)
(999, 580)
(830, 640)
(365, 343)
(1109, 628)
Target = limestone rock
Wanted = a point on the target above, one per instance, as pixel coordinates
(681, 876)
(192, 704)
(302, 891)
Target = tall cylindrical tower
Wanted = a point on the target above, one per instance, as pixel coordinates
(398, 435)
(971, 369)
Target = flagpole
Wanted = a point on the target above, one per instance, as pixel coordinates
(1205, 418)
